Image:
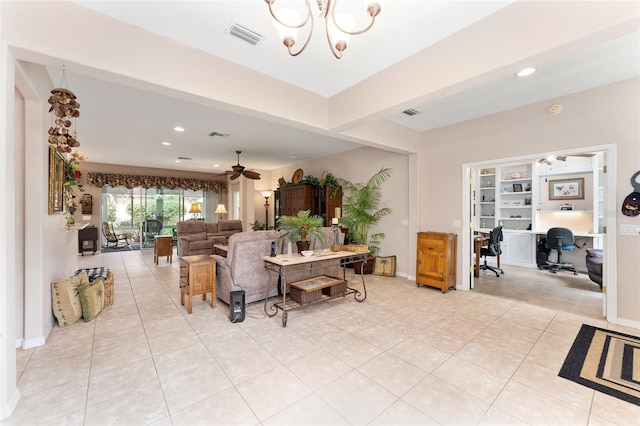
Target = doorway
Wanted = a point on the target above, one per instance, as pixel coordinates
(605, 220)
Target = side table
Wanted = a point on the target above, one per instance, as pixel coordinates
(197, 277)
(163, 246)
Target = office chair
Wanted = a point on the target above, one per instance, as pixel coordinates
(493, 249)
(560, 239)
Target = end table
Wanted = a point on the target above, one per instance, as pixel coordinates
(163, 246)
(197, 277)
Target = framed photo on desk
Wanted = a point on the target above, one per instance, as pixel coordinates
(566, 189)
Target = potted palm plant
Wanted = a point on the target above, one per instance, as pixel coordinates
(361, 210)
(301, 227)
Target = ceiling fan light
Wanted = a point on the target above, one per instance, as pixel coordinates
(347, 23)
(374, 8)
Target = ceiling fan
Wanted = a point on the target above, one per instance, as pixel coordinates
(552, 158)
(239, 170)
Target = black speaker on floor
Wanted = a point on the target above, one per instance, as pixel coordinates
(236, 306)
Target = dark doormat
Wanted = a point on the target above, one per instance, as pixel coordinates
(604, 360)
(130, 247)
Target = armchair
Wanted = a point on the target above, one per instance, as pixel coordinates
(111, 237)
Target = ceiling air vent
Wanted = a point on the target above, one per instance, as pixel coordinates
(222, 135)
(411, 111)
(185, 158)
(244, 33)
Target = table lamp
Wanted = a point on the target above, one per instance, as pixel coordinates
(220, 210)
(195, 210)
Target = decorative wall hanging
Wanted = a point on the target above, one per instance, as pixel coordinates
(87, 204)
(56, 180)
(631, 204)
(64, 109)
(566, 189)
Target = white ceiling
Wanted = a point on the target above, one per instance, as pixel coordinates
(110, 110)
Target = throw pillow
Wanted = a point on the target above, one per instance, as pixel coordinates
(65, 299)
(385, 266)
(92, 298)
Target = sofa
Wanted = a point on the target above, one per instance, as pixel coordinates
(198, 237)
(243, 268)
(595, 258)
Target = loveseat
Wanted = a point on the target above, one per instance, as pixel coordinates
(198, 237)
(243, 268)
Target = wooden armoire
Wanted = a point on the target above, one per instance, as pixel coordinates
(290, 199)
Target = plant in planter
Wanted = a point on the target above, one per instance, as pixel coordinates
(301, 227)
(331, 181)
(361, 210)
(257, 226)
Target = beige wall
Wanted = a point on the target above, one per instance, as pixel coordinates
(358, 166)
(605, 115)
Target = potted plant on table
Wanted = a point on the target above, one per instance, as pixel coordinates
(361, 210)
(301, 227)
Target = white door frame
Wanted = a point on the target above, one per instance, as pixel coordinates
(609, 273)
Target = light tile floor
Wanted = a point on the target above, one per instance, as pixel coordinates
(406, 355)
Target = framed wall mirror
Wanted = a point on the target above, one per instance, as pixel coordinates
(56, 181)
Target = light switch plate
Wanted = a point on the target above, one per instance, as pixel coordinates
(630, 230)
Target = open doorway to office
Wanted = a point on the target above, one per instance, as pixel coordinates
(520, 201)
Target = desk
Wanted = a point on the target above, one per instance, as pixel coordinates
(279, 264)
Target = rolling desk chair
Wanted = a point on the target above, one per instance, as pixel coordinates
(493, 249)
(560, 239)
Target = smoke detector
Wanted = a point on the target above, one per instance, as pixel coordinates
(555, 109)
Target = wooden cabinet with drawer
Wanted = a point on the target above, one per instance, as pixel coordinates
(436, 260)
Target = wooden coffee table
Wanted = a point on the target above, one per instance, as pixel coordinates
(221, 249)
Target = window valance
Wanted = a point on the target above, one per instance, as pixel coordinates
(133, 181)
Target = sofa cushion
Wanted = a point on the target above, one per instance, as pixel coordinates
(65, 298)
(191, 227)
(199, 236)
(200, 245)
(92, 298)
(229, 225)
(212, 227)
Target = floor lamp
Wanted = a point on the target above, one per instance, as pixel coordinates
(266, 195)
(220, 210)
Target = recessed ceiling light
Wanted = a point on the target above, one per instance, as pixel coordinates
(216, 165)
(178, 129)
(166, 143)
(178, 161)
(525, 72)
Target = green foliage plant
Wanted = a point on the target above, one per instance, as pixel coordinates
(257, 226)
(361, 209)
(302, 226)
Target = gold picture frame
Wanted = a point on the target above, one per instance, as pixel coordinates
(56, 181)
(566, 189)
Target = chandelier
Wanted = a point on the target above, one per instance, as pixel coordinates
(338, 26)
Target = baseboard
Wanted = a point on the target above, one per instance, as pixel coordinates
(33, 343)
(19, 343)
(7, 410)
(628, 323)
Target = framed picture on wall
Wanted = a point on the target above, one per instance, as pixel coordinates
(517, 187)
(566, 189)
(56, 180)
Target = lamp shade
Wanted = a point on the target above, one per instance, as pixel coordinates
(221, 209)
(195, 208)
